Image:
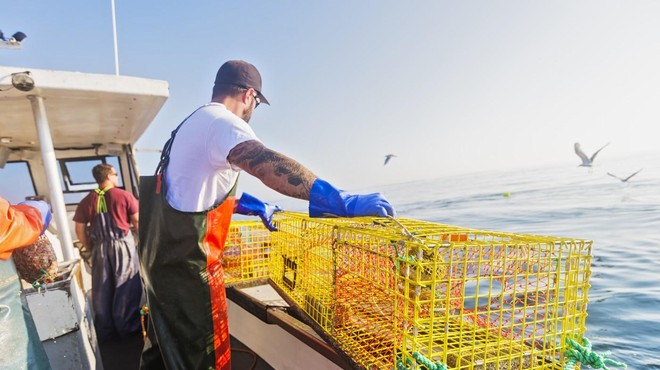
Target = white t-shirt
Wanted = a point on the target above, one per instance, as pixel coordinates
(198, 175)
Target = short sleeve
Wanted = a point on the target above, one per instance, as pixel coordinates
(224, 135)
(133, 207)
(82, 213)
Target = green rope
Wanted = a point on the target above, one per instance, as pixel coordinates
(43, 279)
(430, 365)
(101, 206)
(144, 310)
(401, 366)
(584, 355)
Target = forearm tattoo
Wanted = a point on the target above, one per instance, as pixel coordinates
(274, 169)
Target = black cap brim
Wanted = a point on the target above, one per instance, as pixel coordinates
(262, 98)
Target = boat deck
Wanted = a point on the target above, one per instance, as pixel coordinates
(243, 358)
(125, 355)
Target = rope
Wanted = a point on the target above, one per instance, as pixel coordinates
(583, 354)
(101, 206)
(430, 365)
(401, 366)
(144, 311)
(405, 231)
(45, 278)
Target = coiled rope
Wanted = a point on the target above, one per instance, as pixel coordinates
(583, 354)
(430, 365)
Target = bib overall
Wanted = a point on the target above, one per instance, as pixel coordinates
(180, 257)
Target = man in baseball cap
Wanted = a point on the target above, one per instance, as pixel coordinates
(181, 242)
(242, 74)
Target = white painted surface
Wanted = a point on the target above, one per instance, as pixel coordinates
(266, 294)
(82, 108)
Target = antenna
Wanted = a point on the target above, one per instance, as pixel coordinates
(114, 36)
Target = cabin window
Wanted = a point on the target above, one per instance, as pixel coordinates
(77, 178)
(16, 182)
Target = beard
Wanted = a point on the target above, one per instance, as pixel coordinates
(247, 114)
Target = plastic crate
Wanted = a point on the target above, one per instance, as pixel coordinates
(394, 294)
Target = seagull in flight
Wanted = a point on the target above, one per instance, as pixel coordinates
(587, 161)
(627, 178)
(388, 157)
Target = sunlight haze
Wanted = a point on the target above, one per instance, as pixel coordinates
(449, 87)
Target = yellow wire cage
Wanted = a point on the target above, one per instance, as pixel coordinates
(246, 254)
(408, 294)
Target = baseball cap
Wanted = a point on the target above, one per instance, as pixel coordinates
(240, 73)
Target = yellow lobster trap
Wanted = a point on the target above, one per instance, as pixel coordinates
(406, 294)
(247, 252)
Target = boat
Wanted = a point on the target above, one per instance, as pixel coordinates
(54, 127)
(320, 293)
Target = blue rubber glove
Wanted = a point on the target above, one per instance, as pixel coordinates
(250, 206)
(327, 201)
(43, 208)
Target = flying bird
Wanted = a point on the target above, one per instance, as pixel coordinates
(388, 157)
(15, 38)
(627, 178)
(587, 161)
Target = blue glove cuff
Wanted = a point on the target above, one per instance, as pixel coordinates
(327, 201)
(249, 205)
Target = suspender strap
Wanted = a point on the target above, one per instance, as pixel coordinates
(167, 148)
(101, 205)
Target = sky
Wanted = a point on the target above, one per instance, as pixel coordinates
(449, 87)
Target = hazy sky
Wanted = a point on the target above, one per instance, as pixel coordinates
(449, 87)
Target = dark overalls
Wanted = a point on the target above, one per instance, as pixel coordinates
(116, 286)
(180, 257)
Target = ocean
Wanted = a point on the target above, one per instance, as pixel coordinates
(621, 218)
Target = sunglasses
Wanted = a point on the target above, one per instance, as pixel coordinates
(256, 100)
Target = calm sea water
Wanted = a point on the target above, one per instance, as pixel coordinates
(622, 219)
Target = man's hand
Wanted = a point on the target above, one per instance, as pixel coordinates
(251, 206)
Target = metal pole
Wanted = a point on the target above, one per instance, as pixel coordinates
(134, 164)
(50, 165)
(114, 36)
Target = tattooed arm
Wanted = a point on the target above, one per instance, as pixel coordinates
(274, 169)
